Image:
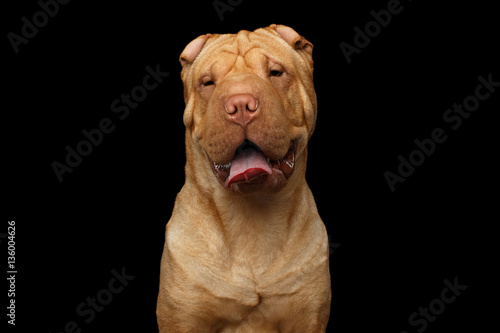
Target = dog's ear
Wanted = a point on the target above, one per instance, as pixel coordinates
(293, 38)
(192, 50)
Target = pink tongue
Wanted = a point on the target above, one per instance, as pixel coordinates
(247, 165)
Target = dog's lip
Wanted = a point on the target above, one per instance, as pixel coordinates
(284, 165)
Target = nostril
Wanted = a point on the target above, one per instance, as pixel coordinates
(244, 102)
(230, 108)
(253, 105)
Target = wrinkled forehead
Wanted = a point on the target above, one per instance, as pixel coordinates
(244, 51)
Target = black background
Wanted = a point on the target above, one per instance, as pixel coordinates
(395, 249)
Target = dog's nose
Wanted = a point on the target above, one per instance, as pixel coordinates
(241, 109)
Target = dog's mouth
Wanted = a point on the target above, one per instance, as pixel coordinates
(251, 166)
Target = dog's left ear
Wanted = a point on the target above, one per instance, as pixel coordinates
(293, 38)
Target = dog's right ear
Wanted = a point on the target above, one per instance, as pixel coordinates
(192, 50)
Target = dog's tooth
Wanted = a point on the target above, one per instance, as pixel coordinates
(222, 166)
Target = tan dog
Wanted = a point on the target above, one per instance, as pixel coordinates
(245, 249)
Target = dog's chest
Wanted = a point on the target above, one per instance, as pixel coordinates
(263, 298)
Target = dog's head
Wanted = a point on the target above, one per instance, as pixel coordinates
(250, 105)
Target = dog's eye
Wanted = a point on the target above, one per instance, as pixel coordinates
(208, 83)
(276, 73)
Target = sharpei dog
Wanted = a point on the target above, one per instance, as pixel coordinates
(245, 249)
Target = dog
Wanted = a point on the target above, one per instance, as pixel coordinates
(245, 248)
